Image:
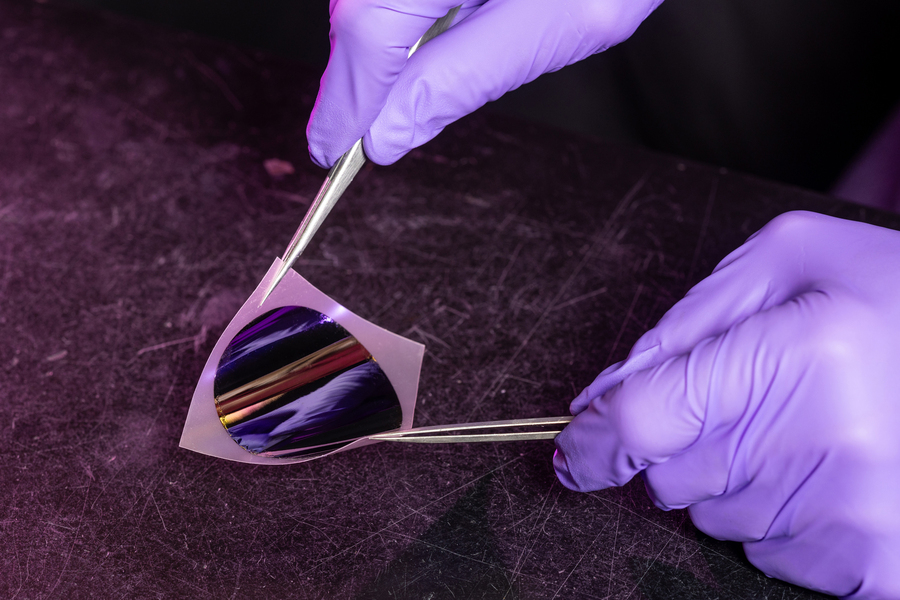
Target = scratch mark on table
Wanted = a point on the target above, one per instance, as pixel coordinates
(612, 560)
(628, 317)
(194, 338)
(237, 580)
(509, 264)
(523, 380)
(62, 571)
(426, 336)
(427, 255)
(580, 298)
(577, 564)
(193, 585)
(214, 77)
(650, 566)
(534, 533)
(159, 512)
(160, 407)
(505, 222)
(637, 514)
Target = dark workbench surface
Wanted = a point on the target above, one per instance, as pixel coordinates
(136, 216)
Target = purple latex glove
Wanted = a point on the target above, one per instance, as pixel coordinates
(370, 88)
(768, 402)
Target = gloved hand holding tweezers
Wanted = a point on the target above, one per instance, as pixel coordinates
(371, 90)
(767, 401)
(385, 92)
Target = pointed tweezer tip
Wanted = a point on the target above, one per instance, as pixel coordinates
(282, 271)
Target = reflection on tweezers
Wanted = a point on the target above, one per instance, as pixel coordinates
(444, 434)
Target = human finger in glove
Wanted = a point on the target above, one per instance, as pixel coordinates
(767, 402)
(371, 90)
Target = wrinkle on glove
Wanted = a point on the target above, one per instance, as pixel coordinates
(767, 402)
(371, 90)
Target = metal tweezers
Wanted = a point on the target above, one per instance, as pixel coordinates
(339, 177)
(444, 434)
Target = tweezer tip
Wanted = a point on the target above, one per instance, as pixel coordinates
(273, 284)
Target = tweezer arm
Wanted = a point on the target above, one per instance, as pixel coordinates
(443, 434)
(339, 177)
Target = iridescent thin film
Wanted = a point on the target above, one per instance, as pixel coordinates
(295, 383)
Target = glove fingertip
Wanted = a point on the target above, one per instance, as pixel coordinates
(577, 464)
(381, 148)
(561, 467)
(580, 403)
(317, 156)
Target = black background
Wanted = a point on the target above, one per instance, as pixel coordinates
(787, 90)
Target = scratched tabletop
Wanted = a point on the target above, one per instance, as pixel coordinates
(137, 214)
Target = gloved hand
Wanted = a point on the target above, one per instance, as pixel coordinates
(768, 402)
(371, 89)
